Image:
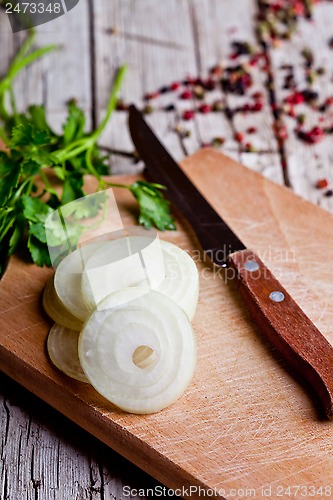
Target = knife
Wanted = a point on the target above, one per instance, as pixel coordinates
(280, 319)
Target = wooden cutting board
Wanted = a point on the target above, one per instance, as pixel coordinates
(246, 424)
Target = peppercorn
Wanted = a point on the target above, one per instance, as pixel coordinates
(175, 86)
(249, 148)
(205, 108)
(251, 130)
(218, 141)
(313, 136)
(239, 137)
(218, 105)
(308, 56)
(301, 118)
(198, 91)
(164, 89)
(148, 109)
(257, 106)
(322, 184)
(188, 114)
(187, 94)
(151, 95)
(328, 193)
(170, 107)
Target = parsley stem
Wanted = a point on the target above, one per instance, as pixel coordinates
(112, 101)
(4, 138)
(113, 184)
(87, 143)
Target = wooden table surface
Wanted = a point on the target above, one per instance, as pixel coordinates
(43, 455)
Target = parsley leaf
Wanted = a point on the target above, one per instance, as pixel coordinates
(39, 252)
(34, 209)
(154, 208)
(74, 126)
(9, 176)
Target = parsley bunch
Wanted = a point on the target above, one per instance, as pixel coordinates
(32, 150)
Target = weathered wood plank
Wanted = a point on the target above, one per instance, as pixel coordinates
(58, 76)
(45, 456)
(141, 35)
(308, 163)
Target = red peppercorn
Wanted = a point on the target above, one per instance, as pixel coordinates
(281, 131)
(187, 94)
(188, 114)
(313, 136)
(205, 108)
(322, 184)
(329, 101)
(251, 130)
(239, 137)
(257, 106)
(299, 8)
(257, 95)
(255, 59)
(151, 95)
(175, 86)
(295, 98)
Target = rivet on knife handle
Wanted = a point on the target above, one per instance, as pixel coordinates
(285, 324)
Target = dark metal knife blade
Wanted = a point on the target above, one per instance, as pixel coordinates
(279, 317)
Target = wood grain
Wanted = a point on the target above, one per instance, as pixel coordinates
(236, 426)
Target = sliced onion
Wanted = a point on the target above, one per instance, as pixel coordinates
(141, 261)
(138, 350)
(62, 346)
(181, 282)
(56, 309)
(67, 279)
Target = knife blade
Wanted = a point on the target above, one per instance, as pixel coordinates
(278, 316)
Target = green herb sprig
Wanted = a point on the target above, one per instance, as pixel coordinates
(32, 149)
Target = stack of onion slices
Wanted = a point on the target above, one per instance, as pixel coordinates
(122, 312)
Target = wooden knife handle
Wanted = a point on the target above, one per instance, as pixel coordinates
(284, 323)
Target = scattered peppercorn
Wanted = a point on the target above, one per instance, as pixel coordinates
(218, 105)
(251, 130)
(241, 48)
(199, 91)
(187, 94)
(218, 141)
(148, 109)
(236, 80)
(328, 193)
(301, 119)
(313, 136)
(308, 57)
(239, 137)
(188, 114)
(170, 107)
(205, 108)
(175, 86)
(151, 95)
(322, 184)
